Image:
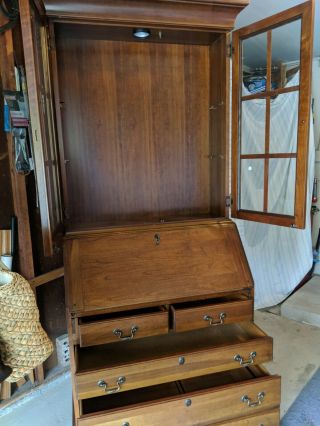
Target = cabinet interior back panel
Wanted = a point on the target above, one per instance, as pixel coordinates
(135, 120)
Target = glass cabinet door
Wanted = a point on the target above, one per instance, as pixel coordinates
(271, 115)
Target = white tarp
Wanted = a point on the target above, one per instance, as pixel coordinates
(279, 257)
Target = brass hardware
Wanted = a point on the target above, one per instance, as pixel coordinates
(157, 239)
(187, 402)
(182, 360)
(209, 318)
(104, 385)
(251, 404)
(119, 333)
(245, 363)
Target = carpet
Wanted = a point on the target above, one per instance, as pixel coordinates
(305, 411)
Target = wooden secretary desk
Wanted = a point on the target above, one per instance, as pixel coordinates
(130, 117)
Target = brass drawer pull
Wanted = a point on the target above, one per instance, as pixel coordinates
(104, 385)
(209, 318)
(243, 363)
(157, 239)
(251, 404)
(119, 333)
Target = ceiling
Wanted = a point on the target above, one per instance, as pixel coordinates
(286, 39)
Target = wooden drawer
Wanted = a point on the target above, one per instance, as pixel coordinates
(266, 418)
(133, 267)
(195, 315)
(146, 362)
(128, 326)
(194, 402)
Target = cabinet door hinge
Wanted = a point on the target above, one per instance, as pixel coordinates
(229, 201)
(230, 50)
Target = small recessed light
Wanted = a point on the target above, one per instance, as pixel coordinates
(141, 33)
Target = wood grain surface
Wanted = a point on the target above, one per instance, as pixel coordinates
(137, 139)
(210, 405)
(200, 15)
(156, 361)
(100, 332)
(193, 317)
(267, 418)
(124, 268)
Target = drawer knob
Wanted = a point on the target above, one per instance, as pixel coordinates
(126, 424)
(211, 320)
(119, 333)
(252, 404)
(157, 239)
(244, 363)
(187, 402)
(182, 360)
(102, 384)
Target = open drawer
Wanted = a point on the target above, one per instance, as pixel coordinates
(119, 367)
(126, 326)
(211, 313)
(212, 399)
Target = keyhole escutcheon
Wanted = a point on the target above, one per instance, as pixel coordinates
(157, 239)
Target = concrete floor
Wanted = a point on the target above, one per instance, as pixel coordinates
(296, 353)
(47, 405)
(304, 305)
(296, 358)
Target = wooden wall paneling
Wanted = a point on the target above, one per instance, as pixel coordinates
(158, 145)
(219, 119)
(204, 15)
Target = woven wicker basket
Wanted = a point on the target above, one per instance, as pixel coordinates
(23, 343)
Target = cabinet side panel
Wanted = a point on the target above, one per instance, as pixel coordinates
(219, 125)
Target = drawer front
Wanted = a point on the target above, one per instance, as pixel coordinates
(167, 369)
(267, 418)
(130, 268)
(197, 409)
(127, 328)
(212, 315)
